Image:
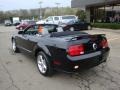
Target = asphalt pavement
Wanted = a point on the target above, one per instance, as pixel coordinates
(19, 71)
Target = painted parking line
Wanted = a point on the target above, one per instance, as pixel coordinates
(113, 39)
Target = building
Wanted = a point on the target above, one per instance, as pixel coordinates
(99, 10)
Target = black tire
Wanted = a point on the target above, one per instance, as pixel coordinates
(49, 70)
(14, 47)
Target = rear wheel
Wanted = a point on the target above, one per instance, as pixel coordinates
(14, 47)
(44, 65)
(72, 28)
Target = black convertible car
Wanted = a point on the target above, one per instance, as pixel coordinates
(77, 25)
(56, 49)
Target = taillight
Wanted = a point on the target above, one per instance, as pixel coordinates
(104, 43)
(76, 50)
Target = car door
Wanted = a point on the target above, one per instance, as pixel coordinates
(21, 39)
(31, 38)
(56, 20)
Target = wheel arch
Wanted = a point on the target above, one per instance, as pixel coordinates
(37, 50)
(44, 49)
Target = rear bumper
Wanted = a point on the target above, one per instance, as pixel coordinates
(83, 62)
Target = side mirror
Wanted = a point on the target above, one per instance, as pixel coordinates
(21, 32)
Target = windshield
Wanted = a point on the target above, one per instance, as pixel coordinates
(7, 21)
(48, 29)
(31, 22)
(74, 21)
(43, 29)
(71, 22)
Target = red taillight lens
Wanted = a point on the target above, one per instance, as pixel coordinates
(104, 43)
(76, 50)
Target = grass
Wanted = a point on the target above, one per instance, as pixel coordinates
(107, 25)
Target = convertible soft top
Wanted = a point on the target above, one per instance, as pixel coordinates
(59, 34)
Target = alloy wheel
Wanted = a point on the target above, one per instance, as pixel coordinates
(14, 45)
(41, 62)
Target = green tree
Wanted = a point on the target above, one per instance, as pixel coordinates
(1, 16)
(81, 14)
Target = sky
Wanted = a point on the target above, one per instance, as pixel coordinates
(30, 4)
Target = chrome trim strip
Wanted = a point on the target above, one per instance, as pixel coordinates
(24, 49)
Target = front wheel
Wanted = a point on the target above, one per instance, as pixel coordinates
(14, 47)
(44, 65)
(21, 28)
(89, 27)
(72, 28)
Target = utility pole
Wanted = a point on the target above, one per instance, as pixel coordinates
(57, 4)
(40, 10)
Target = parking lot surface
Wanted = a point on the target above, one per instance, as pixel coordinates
(19, 71)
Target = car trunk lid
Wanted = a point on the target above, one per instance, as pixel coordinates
(89, 43)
